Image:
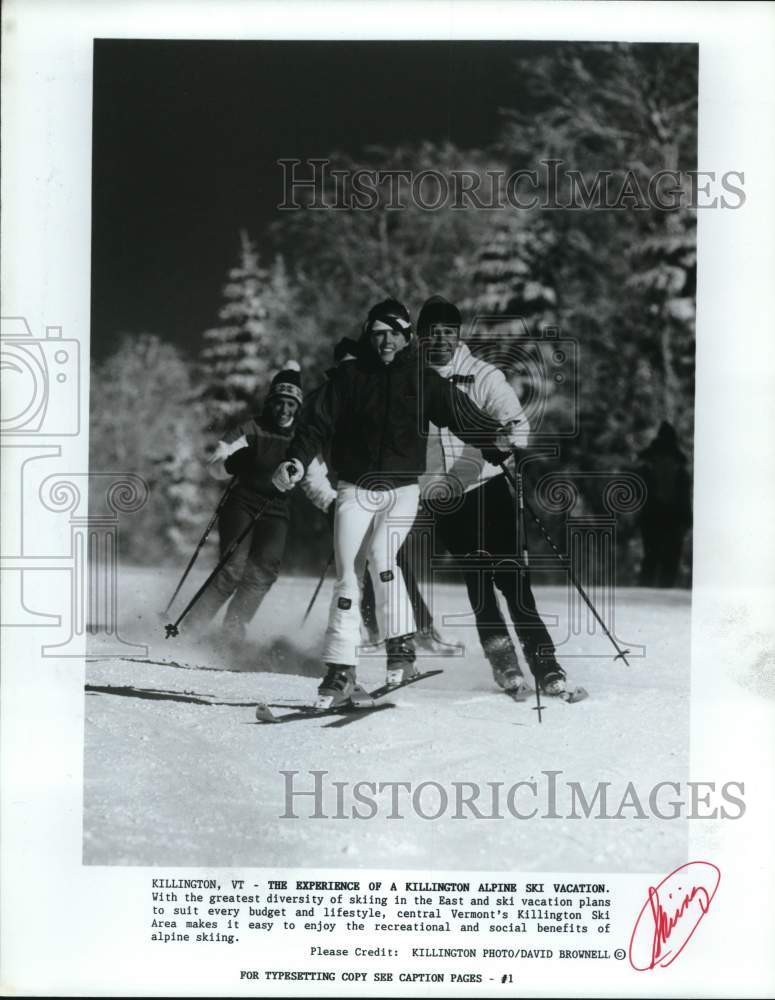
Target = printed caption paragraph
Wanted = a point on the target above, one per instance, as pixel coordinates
(519, 920)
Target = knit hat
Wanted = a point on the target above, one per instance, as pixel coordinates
(437, 311)
(346, 348)
(287, 383)
(393, 313)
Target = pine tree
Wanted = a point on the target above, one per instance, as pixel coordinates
(512, 271)
(514, 301)
(664, 276)
(145, 420)
(184, 491)
(243, 352)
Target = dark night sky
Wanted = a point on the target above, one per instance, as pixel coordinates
(186, 135)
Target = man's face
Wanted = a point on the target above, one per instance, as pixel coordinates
(443, 344)
(284, 410)
(386, 341)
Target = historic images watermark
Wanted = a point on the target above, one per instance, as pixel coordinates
(316, 795)
(41, 380)
(317, 184)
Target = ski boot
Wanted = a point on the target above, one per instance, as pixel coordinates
(431, 641)
(551, 677)
(506, 671)
(400, 659)
(336, 688)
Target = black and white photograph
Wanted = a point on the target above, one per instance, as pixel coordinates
(386, 567)
(400, 339)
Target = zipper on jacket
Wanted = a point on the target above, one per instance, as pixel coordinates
(384, 423)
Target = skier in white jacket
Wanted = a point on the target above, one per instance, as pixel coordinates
(482, 524)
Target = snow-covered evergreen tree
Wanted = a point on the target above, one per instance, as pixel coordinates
(249, 345)
(145, 419)
(511, 272)
(664, 276)
(514, 300)
(184, 496)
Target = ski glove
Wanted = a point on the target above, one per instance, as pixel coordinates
(241, 463)
(287, 475)
(511, 435)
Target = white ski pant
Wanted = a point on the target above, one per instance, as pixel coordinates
(370, 525)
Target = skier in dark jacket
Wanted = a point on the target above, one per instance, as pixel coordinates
(666, 515)
(376, 412)
(251, 452)
(427, 637)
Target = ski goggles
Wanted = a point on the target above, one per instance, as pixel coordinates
(397, 323)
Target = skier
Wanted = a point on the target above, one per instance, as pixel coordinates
(666, 515)
(427, 638)
(376, 411)
(251, 452)
(483, 523)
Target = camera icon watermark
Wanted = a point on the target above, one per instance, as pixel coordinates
(40, 381)
(542, 368)
(46, 560)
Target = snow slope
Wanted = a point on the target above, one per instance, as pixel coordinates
(176, 782)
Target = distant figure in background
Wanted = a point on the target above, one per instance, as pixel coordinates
(666, 515)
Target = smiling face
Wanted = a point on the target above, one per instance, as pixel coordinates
(386, 342)
(283, 410)
(443, 344)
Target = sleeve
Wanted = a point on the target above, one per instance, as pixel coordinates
(500, 401)
(220, 462)
(448, 406)
(316, 485)
(317, 421)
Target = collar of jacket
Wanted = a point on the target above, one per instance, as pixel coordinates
(266, 423)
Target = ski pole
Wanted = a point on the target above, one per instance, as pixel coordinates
(621, 654)
(522, 546)
(172, 629)
(224, 497)
(317, 589)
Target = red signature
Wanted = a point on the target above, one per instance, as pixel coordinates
(671, 914)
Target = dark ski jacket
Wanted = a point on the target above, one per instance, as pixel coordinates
(251, 452)
(255, 449)
(376, 417)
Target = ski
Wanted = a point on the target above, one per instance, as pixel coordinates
(519, 695)
(380, 692)
(177, 664)
(572, 696)
(361, 702)
(356, 714)
(159, 694)
(264, 711)
(569, 697)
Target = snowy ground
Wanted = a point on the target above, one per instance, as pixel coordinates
(170, 781)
